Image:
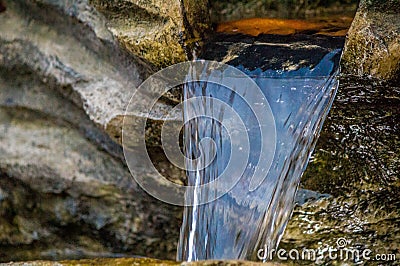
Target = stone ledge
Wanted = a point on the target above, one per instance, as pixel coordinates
(135, 261)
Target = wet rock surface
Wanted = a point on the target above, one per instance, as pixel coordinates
(285, 52)
(373, 43)
(356, 161)
(328, 26)
(155, 30)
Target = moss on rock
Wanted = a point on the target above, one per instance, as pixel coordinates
(156, 30)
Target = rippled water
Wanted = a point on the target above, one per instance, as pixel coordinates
(238, 224)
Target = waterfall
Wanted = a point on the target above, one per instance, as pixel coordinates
(248, 133)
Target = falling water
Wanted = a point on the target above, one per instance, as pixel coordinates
(251, 216)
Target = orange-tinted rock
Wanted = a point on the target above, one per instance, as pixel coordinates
(256, 26)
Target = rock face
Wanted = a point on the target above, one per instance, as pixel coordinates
(373, 43)
(156, 30)
(356, 161)
(228, 10)
(67, 71)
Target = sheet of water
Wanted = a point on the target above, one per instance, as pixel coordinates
(254, 213)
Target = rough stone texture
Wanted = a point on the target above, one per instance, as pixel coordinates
(65, 191)
(135, 261)
(197, 22)
(156, 29)
(63, 197)
(228, 10)
(98, 79)
(373, 43)
(149, 29)
(286, 52)
(356, 161)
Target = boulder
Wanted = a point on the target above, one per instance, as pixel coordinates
(373, 41)
(63, 196)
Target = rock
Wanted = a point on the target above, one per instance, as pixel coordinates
(278, 52)
(135, 261)
(65, 80)
(373, 42)
(197, 24)
(92, 72)
(149, 29)
(156, 29)
(63, 197)
(229, 10)
(356, 161)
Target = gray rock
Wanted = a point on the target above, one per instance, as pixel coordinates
(66, 198)
(90, 79)
(373, 42)
(65, 80)
(228, 10)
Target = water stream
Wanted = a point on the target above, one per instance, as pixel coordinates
(248, 221)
